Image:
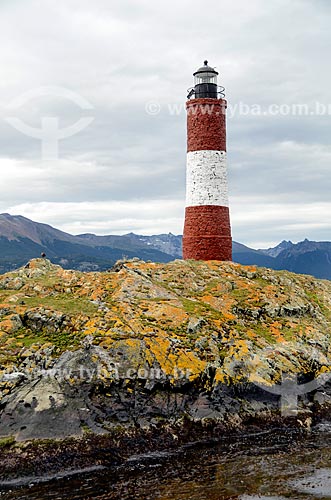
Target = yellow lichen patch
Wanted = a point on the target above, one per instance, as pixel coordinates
(97, 294)
(251, 269)
(133, 343)
(220, 376)
(175, 363)
(91, 327)
(160, 348)
(251, 335)
(227, 316)
(165, 311)
(324, 369)
(129, 355)
(214, 302)
(10, 324)
(226, 305)
(256, 378)
(239, 349)
(189, 365)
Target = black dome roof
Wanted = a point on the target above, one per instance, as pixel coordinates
(205, 69)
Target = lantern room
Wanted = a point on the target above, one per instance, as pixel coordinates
(205, 84)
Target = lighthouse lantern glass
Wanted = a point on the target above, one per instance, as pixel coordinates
(205, 82)
(206, 77)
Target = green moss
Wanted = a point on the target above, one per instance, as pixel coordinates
(85, 428)
(7, 442)
(240, 293)
(24, 338)
(65, 303)
(190, 306)
(264, 332)
(313, 297)
(261, 281)
(4, 294)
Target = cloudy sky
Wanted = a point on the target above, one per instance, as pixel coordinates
(126, 64)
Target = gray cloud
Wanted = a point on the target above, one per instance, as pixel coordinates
(126, 171)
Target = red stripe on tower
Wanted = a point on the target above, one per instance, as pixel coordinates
(207, 230)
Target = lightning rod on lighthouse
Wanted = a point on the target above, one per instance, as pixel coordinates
(207, 230)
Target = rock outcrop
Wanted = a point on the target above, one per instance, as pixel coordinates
(148, 346)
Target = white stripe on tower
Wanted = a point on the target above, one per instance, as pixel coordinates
(206, 178)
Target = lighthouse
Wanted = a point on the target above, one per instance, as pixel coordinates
(207, 230)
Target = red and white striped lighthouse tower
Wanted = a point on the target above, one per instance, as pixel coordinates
(207, 230)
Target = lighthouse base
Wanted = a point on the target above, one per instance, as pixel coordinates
(207, 233)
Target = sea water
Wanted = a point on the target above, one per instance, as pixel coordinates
(248, 468)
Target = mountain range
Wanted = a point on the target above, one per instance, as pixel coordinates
(22, 239)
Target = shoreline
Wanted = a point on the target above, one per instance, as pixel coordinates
(95, 453)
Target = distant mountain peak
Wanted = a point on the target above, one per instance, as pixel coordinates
(286, 242)
(275, 251)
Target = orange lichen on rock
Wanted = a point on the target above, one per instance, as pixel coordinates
(186, 317)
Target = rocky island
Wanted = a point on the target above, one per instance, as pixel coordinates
(97, 367)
